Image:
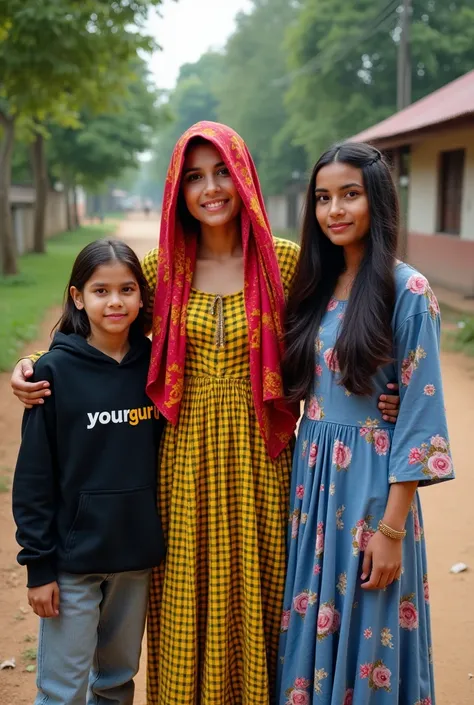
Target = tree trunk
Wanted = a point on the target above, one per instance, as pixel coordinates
(67, 196)
(75, 212)
(40, 173)
(7, 240)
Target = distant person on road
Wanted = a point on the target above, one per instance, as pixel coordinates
(356, 617)
(221, 281)
(85, 486)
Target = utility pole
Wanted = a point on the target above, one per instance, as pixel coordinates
(404, 58)
(403, 100)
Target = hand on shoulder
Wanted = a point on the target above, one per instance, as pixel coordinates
(30, 393)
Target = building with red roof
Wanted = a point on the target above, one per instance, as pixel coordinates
(432, 144)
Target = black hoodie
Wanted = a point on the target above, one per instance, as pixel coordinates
(84, 493)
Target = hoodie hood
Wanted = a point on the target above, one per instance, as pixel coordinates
(78, 346)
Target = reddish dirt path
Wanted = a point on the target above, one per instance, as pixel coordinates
(449, 525)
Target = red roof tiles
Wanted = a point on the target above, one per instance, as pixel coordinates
(447, 103)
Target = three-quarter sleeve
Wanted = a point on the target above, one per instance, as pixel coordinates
(420, 447)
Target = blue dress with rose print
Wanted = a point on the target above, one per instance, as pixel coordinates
(341, 645)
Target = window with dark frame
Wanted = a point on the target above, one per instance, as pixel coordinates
(451, 178)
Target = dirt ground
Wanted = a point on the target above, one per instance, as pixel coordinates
(448, 515)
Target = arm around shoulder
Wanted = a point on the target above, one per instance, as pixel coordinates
(27, 385)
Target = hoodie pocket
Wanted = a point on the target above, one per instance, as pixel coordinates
(80, 511)
(115, 531)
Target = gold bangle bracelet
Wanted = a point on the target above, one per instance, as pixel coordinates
(391, 533)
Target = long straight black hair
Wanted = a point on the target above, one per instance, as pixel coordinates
(364, 342)
(94, 255)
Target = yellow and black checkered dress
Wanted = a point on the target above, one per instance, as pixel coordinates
(215, 606)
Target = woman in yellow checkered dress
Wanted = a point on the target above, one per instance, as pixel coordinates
(214, 615)
(225, 459)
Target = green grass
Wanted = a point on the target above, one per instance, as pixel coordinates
(457, 330)
(29, 654)
(109, 215)
(4, 485)
(26, 297)
(450, 316)
(462, 338)
(115, 215)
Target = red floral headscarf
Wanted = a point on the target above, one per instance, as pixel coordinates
(264, 297)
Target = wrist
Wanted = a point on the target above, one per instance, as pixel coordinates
(390, 531)
(395, 521)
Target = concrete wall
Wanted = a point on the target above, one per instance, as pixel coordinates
(444, 260)
(301, 204)
(23, 220)
(56, 214)
(447, 260)
(277, 209)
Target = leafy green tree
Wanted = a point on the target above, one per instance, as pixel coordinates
(192, 100)
(250, 99)
(21, 165)
(342, 62)
(56, 58)
(105, 145)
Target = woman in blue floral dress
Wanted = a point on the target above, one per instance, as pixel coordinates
(356, 623)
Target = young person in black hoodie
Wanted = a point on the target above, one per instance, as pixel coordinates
(84, 494)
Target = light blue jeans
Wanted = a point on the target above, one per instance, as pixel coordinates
(91, 652)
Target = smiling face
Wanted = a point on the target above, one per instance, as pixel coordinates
(111, 298)
(342, 206)
(209, 192)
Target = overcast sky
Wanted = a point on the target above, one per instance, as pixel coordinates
(187, 29)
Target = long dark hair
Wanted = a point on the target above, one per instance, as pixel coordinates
(365, 339)
(94, 255)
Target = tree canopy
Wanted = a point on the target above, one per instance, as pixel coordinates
(298, 75)
(193, 99)
(342, 62)
(105, 144)
(58, 60)
(250, 101)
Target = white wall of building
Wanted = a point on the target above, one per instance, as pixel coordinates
(277, 209)
(423, 186)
